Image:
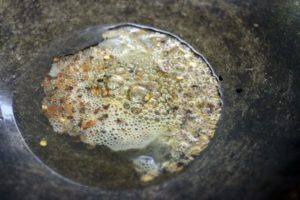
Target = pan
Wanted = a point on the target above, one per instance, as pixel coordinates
(251, 45)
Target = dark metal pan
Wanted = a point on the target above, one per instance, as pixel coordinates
(253, 46)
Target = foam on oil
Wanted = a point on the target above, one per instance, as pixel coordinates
(137, 89)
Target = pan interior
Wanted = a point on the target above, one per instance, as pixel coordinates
(98, 166)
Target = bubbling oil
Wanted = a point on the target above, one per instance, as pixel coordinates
(136, 89)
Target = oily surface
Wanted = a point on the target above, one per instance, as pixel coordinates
(134, 89)
(252, 45)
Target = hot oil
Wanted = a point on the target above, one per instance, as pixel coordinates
(148, 99)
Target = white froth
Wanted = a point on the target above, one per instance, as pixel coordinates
(135, 87)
